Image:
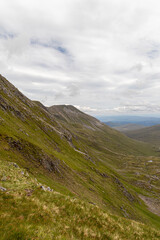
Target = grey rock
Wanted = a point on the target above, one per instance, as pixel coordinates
(3, 189)
(46, 188)
(43, 188)
(4, 178)
(124, 190)
(14, 164)
(124, 211)
(92, 203)
(49, 189)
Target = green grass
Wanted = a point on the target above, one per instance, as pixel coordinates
(27, 212)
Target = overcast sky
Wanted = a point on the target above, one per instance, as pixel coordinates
(102, 56)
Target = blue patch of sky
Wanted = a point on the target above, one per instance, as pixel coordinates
(6, 35)
(62, 50)
(46, 66)
(43, 65)
(153, 53)
(52, 44)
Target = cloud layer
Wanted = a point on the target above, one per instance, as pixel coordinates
(102, 56)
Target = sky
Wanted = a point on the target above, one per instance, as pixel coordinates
(102, 56)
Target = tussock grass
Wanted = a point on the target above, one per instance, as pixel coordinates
(27, 212)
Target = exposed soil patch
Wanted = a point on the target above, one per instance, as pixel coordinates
(153, 204)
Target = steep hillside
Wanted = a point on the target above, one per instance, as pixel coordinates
(77, 155)
(149, 135)
(97, 134)
(33, 211)
(30, 210)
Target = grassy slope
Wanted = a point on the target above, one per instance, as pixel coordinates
(149, 134)
(41, 143)
(28, 212)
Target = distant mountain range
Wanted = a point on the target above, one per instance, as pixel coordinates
(115, 121)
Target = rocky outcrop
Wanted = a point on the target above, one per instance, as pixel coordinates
(121, 187)
(36, 155)
(3, 189)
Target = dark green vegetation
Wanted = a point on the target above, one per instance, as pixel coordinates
(81, 158)
(149, 134)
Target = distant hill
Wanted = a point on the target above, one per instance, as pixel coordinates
(149, 135)
(115, 124)
(129, 127)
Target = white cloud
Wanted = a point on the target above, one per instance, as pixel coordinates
(103, 56)
(87, 109)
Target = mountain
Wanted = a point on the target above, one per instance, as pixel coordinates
(128, 127)
(149, 135)
(87, 164)
(94, 133)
